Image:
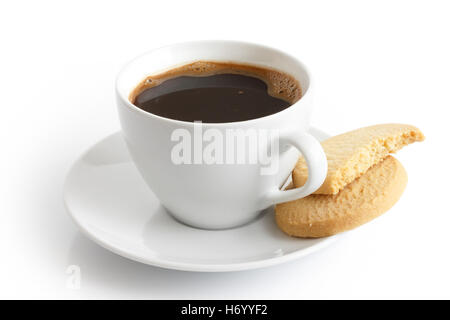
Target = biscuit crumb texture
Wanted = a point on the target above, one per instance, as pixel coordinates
(351, 154)
(364, 199)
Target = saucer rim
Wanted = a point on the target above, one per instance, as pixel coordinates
(189, 266)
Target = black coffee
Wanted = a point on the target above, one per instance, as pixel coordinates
(214, 96)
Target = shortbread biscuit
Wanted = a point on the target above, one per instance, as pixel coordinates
(362, 200)
(353, 153)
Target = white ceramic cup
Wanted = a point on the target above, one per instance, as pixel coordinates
(218, 196)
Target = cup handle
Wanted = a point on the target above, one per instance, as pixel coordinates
(316, 161)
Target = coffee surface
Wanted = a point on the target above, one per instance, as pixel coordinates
(216, 93)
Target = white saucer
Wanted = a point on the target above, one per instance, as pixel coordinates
(112, 205)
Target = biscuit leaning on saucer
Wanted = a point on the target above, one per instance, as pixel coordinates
(362, 200)
(363, 182)
(352, 153)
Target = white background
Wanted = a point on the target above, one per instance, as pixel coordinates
(373, 62)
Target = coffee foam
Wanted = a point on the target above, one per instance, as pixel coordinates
(279, 84)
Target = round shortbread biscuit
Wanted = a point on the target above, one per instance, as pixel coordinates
(364, 199)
